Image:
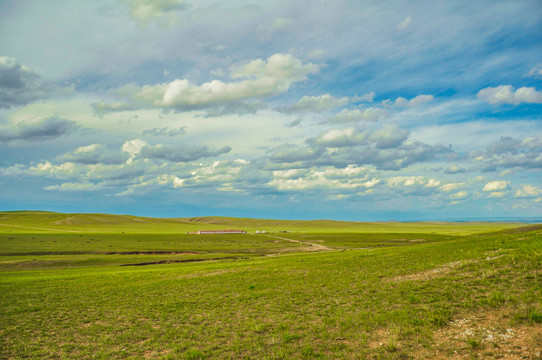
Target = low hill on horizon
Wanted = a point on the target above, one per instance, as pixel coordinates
(46, 221)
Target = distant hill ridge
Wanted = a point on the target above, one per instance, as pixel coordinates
(45, 221)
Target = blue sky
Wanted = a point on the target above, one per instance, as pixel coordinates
(354, 110)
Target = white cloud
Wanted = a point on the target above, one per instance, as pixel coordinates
(133, 147)
(496, 185)
(527, 191)
(72, 186)
(315, 104)
(146, 11)
(451, 187)
(388, 147)
(398, 181)
(289, 174)
(340, 137)
(416, 101)
(432, 183)
(404, 24)
(459, 195)
(369, 97)
(357, 115)
(509, 152)
(348, 178)
(454, 169)
(505, 94)
(389, 136)
(536, 71)
(262, 78)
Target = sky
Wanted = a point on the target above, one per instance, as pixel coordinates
(346, 110)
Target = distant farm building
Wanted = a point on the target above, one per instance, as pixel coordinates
(234, 231)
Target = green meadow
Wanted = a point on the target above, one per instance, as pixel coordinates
(98, 286)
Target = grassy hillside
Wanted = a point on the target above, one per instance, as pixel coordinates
(38, 221)
(414, 290)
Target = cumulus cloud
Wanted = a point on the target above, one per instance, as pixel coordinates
(74, 186)
(289, 153)
(258, 79)
(505, 94)
(238, 108)
(369, 97)
(503, 145)
(315, 104)
(133, 147)
(432, 183)
(290, 173)
(38, 129)
(180, 153)
(387, 148)
(389, 136)
(340, 138)
(411, 185)
(459, 195)
(102, 108)
(495, 185)
(451, 187)
(146, 11)
(510, 152)
(228, 175)
(351, 178)
(398, 181)
(137, 165)
(359, 115)
(454, 169)
(165, 131)
(94, 154)
(416, 101)
(528, 191)
(20, 85)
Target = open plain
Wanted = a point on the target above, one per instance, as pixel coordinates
(113, 287)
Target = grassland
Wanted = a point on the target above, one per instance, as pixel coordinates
(40, 221)
(382, 290)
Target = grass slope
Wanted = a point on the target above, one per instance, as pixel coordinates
(404, 295)
(40, 221)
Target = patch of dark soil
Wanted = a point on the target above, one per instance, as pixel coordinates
(151, 252)
(182, 261)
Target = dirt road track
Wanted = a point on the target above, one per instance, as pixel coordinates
(312, 246)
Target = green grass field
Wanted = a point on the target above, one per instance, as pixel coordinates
(100, 286)
(32, 221)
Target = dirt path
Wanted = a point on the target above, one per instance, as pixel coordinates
(312, 246)
(39, 228)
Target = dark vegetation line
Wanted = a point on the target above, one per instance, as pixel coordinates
(139, 252)
(184, 261)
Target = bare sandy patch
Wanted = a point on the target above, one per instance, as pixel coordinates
(487, 335)
(433, 273)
